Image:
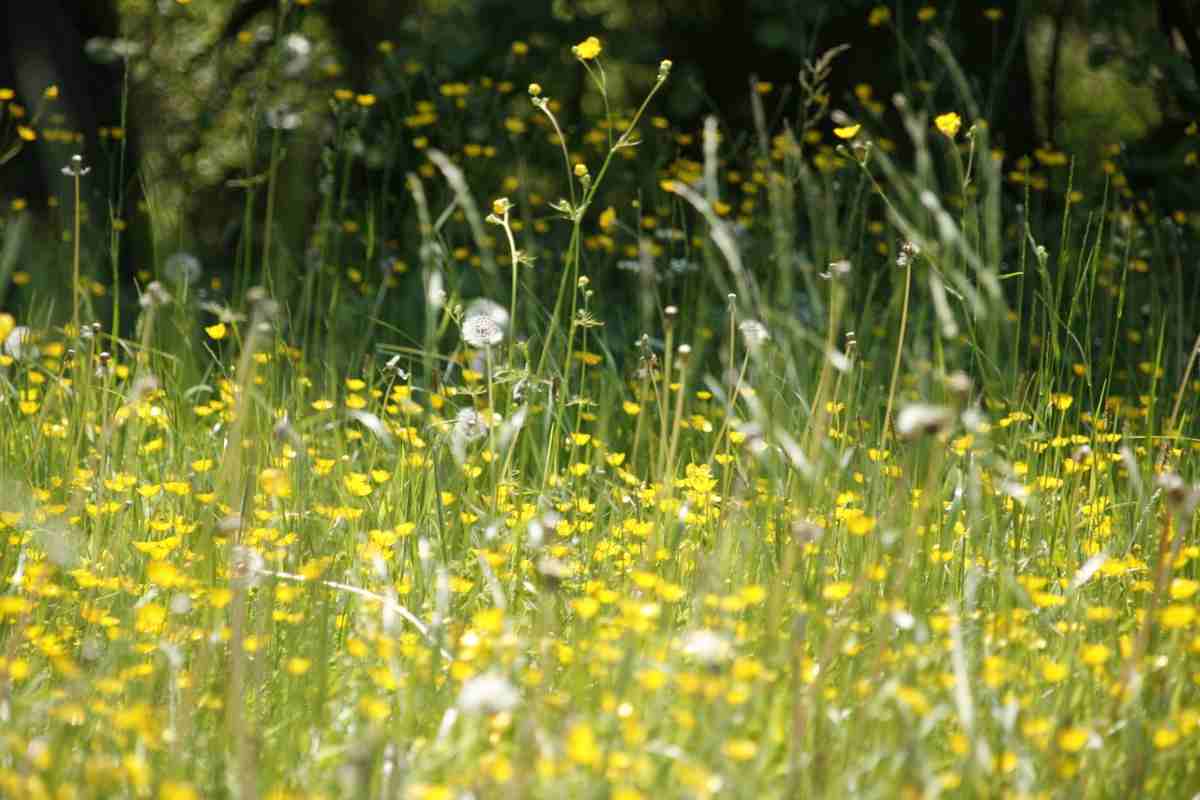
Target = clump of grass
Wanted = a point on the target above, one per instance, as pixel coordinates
(882, 501)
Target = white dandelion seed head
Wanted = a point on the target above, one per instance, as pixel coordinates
(246, 566)
(908, 251)
(922, 419)
(707, 647)
(18, 344)
(298, 54)
(182, 268)
(754, 333)
(481, 330)
(489, 308)
(469, 425)
(488, 693)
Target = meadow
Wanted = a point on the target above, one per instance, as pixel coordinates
(818, 459)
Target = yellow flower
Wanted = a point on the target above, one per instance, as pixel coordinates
(1094, 654)
(586, 607)
(948, 123)
(839, 590)
(298, 666)
(216, 331)
(1054, 672)
(1177, 616)
(740, 749)
(275, 483)
(582, 747)
(173, 790)
(848, 132)
(1181, 588)
(860, 524)
(1165, 738)
(588, 49)
(607, 218)
(879, 15)
(1072, 740)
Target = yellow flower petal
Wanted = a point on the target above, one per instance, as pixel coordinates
(948, 123)
(588, 49)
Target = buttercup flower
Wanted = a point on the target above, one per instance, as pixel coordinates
(588, 49)
(948, 123)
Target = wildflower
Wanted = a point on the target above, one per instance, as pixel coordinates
(1165, 738)
(469, 425)
(1073, 739)
(847, 132)
(155, 295)
(76, 167)
(1181, 499)
(217, 331)
(837, 269)
(1054, 672)
(246, 565)
(297, 665)
(740, 749)
(1183, 588)
(1177, 616)
(480, 330)
(488, 694)
(182, 269)
(275, 483)
(1094, 654)
(707, 647)
(838, 590)
(608, 218)
(908, 251)
(920, 419)
(948, 123)
(586, 607)
(588, 49)
(582, 747)
(754, 333)
(880, 15)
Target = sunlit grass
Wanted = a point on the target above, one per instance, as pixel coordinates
(882, 499)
